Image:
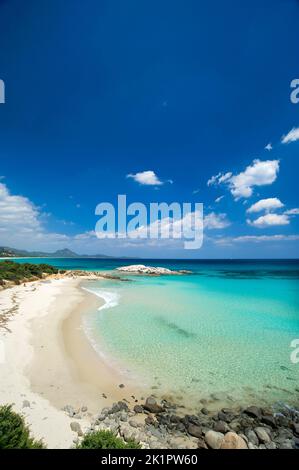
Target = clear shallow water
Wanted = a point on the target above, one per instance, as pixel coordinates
(223, 332)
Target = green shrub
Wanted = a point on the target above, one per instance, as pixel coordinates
(14, 434)
(105, 440)
(16, 272)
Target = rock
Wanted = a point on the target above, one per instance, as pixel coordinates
(152, 406)
(252, 437)
(121, 386)
(204, 411)
(26, 404)
(269, 420)
(149, 420)
(84, 409)
(69, 410)
(138, 409)
(221, 426)
(214, 439)
(254, 412)
(76, 428)
(151, 270)
(194, 430)
(231, 440)
(263, 435)
(295, 428)
(201, 443)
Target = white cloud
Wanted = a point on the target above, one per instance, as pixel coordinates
(266, 205)
(294, 211)
(214, 221)
(219, 178)
(219, 199)
(17, 212)
(292, 136)
(270, 220)
(269, 147)
(256, 239)
(148, 178)
(259, 173)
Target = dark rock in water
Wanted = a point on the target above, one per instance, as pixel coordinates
(138, 409)
(152, 406)
(194, 430)
(204, 411)
(282, 421)
(221, 426)
(121, 386)
(269, 420)
(227, 417)
(254, 412)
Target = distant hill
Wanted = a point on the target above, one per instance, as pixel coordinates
(6, 252)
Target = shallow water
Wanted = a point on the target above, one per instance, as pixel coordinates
(220, 334)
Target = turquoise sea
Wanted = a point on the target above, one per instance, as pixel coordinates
(222, 333)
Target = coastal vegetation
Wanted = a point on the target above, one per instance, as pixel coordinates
(17, 272)
(14, 434)
(105, 440)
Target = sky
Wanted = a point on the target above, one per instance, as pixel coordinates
(185, 101)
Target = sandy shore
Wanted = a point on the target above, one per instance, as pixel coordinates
(46, 361)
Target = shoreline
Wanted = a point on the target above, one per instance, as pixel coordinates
(48, 361)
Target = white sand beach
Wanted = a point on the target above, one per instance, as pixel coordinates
(46, 361)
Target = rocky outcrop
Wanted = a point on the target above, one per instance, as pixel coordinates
(160, 425)
(150, 270)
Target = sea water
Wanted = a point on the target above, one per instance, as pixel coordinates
(222, 333)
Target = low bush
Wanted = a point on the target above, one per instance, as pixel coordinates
(105, 440)
(14, 434)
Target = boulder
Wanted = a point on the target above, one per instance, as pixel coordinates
(231, 440)
(254, 412)
(152, 406)
(194, 430)
(214, 439)
(138, 409)
(263, 435)
(221, 426)
(75, 427)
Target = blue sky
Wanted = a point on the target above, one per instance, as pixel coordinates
(99, 90)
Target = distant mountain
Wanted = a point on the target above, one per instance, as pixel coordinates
(6, 252)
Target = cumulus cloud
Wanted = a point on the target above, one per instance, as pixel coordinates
(219, 199)
(268, 204)
(147, 178)
(291, 136)
(259, 173)
(269, 220)
(269, 147)
(214, 221)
